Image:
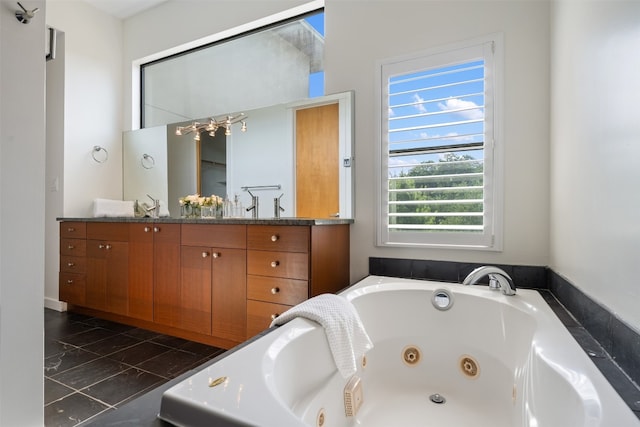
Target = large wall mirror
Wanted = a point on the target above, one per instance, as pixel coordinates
(300, 152)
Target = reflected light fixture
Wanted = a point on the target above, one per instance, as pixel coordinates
(213, 125)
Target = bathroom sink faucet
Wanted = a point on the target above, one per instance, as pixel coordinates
(276, 206)
(254, 206)
(498, 279)
(153, 210)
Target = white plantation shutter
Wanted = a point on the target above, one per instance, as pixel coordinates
(438, 148)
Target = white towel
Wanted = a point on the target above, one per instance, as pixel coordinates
(347, 337)
(164, 210)
(112, 208)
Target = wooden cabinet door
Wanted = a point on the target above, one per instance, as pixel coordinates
(141, 277)
(229, 294)
(166, 274)
(96, 284)
(195, 289)
(107, 276)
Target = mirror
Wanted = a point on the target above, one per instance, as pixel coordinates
(281, 153)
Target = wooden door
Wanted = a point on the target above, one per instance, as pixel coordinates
(229, 294)
(96, 285)
(141, 271)
(195, 289)
(117, 277)
(166, 274)
(317, 162)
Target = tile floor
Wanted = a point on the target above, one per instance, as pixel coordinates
(92, 366)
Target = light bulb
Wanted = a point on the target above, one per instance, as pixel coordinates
(178, 131)
(227, 131)
(244, 127)
(196, 137)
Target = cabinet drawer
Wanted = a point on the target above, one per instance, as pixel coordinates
(73, 230)
(291, 265)
(72, 288)
(73, 264)
(74, 247)
(110, 231)
(277, 290)
(278, 238)
(212, 235)
(261, 314)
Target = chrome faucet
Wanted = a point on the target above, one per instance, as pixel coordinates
(498, 279)
(254, 206)
(153, 210)
(276, 206)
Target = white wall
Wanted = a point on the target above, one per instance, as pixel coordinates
(595, 154)
(360, 33)
(22, 219)
(92, 105)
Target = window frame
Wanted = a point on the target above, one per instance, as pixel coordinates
(492, 48)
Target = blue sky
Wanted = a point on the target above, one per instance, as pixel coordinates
(316, 80)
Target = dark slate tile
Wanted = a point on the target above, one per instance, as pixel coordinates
(139, 353)
(169, 341)
(142, 334)
(112, 344)
(66, 360)
(625, 348)
(563, 314)
(202, 349)
(89, 337)
(53, 347)
(66, 329)
(121, 387)
(171, 363)
(90, 373)
(71, 410)
(112, 326)
(620, 382)
(587, 342)
(54, 391)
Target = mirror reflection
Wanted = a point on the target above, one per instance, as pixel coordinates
(299, 153)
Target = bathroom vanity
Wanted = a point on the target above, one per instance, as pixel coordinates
(216, 281)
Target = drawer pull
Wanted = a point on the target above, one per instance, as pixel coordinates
(147, 229)
(71, 247)
(274, 238)
(274, 264)
(274, 316)
(217, 254)
(275, 290)
(70, 264)
(70, 282)
(205, 254)
(156, 229)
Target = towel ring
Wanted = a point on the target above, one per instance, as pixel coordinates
(97, 149)
(147, 161)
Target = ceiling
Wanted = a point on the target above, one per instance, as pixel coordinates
(124, 8)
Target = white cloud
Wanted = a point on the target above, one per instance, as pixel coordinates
(456, 103)
(418, 103)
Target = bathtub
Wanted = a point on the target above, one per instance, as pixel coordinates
(444, 355)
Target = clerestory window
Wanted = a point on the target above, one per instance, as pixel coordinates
(440, 148)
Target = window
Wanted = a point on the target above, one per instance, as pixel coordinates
(274, 64)
(440, 156)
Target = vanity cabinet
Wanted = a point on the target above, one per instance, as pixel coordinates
(216, 283)
(73, 262)
(107, 278)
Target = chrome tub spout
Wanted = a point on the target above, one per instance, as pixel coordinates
(498, 279)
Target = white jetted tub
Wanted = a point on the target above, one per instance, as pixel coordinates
(444, 355)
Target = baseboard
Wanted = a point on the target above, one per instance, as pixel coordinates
(55, 304)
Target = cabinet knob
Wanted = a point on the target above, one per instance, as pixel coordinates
(70, 247)
(100, 246)
(274, 238)
(274, 316)
(275, 290)
(147, 229)
(71, 229)
(156, 229)
(70, 264)
(217, 254)
(274, 264)
(108, 246)
(205, 254)
(69, 281)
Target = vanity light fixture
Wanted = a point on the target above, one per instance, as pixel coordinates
(212, 126)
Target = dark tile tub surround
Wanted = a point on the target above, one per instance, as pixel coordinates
(612, 345)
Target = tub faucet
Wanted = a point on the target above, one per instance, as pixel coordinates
(254, 206)
(498, 279)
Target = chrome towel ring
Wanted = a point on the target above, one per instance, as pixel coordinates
(147, 161)
(100, 158)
